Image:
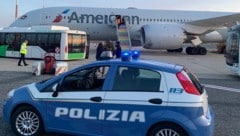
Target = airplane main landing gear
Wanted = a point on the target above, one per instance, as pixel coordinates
(175, 50)
(196, 50)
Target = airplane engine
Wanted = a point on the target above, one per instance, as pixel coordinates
(162, 36)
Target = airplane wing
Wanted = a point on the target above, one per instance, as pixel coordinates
(223, 21)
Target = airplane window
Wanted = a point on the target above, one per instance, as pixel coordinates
(144, 19)
(157, 20)
(147, 19)
(151, 20)
(167, 20)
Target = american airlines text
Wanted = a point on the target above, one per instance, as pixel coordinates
(100, 19)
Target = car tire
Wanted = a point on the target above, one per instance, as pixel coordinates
(26, 121)
(167, 129)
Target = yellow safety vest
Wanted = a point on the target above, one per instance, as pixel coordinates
(23, 49)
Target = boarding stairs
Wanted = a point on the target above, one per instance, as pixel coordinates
(123, 35)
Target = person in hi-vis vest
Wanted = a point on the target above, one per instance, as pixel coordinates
(23, 52)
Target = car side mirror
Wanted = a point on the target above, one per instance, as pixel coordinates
(55, 89)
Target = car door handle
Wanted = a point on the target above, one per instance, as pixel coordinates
(155, 101)
(96, 99)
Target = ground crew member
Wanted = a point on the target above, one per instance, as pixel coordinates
(23, 52)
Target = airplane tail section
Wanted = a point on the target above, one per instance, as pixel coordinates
(123, 35)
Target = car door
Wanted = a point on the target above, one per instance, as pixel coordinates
(75, 107)
(136, 100)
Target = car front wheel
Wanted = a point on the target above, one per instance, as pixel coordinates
(167, 130)
(26, 121)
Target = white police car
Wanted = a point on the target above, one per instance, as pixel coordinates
(113, 98)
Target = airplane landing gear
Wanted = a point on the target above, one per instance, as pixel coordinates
(175, 50)
(196, 50)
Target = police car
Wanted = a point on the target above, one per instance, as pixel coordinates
(122, 97)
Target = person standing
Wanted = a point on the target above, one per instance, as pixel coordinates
(23, 52)
(110, 49)
(118, 49)
(99, 50)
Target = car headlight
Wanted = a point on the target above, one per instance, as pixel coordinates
(10, 94)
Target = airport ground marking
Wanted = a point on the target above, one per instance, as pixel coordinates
(223, 88)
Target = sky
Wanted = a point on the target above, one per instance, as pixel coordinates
(7, 7)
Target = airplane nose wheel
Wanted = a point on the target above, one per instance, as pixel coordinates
(196, 50)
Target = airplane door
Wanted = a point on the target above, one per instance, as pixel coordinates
(44, 19)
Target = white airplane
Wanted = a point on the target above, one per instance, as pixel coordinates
(156, 29)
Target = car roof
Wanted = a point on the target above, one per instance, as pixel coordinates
(158, 65)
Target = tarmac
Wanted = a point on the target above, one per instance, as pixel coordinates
(207, 66)
(222, 87)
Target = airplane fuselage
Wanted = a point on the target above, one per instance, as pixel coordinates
(157, 29)
(99, 23)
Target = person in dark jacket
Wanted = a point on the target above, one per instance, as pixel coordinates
(118, 49)
(99, 50)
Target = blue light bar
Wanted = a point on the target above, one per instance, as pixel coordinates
(129, 55)
(135, 54)
(126, 55)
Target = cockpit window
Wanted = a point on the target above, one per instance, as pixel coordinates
(23, 17)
